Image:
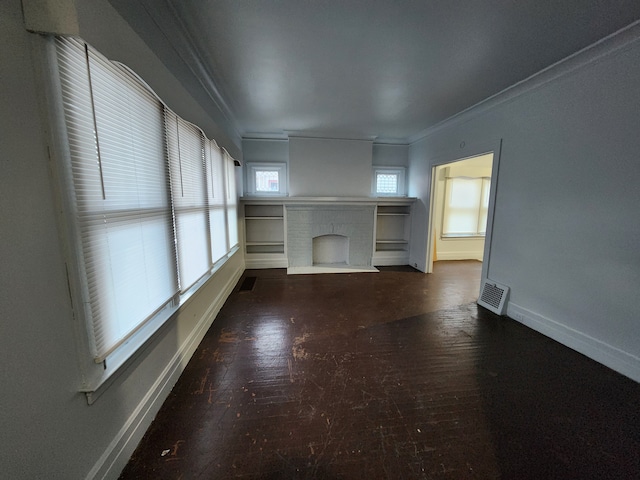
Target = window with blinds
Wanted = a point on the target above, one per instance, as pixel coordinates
(185, 144)
(147, 196)
(466, 207)
(232, 201)
(214, 163)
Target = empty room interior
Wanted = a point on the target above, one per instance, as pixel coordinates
(325, 239)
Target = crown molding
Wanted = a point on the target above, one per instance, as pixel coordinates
(174, 30)
(617, 41)
(330, 135)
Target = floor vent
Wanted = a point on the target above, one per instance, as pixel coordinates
(247, 284)
(494, 297)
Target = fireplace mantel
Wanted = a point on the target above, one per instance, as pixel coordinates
(279, 231)
(264, 200)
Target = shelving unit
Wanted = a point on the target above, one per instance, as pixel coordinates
(264, 235)
(265, 227)
(393, 229)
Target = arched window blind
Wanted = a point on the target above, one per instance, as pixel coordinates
(217, 213)
(232, 200)
(138, 171)
(189, 192)
(115, 130)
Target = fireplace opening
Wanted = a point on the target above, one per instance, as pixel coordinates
(331, 250)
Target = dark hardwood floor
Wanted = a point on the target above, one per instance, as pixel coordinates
(395, 375)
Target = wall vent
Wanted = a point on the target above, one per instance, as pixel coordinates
(494, 297)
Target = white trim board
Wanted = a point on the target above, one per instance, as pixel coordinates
(612, 357)
(390, 259)
(329, 269)
(264, 262)
(462, 255)
(117, 454)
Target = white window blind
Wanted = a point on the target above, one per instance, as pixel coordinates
(466, 206)
(232, 200)
(185, 144)
(115, 130)
(153, 201)
(217, 214)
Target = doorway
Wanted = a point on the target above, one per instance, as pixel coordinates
(461, 202)
(454, 237)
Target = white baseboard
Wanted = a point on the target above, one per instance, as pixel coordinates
(389, 259)
(119, 451)
(459, 255)
(265, 262)
(612, 357)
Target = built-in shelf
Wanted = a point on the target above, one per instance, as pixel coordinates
(265, 227)
(393, 224)
(264, 235)
(254, 244)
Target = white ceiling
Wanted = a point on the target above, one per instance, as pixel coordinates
(363, 68)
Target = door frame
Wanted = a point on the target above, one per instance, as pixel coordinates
(466, 152)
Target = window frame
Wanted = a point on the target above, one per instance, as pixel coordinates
(250, 178)
(400, 173)
(484, 191)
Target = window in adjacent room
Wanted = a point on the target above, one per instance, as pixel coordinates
(388, 182)
(466, 206)
(266, 179)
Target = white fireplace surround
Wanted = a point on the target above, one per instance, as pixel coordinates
(343, 235)
(279, 232)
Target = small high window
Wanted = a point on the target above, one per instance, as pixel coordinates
(266, 179)
(388, 182)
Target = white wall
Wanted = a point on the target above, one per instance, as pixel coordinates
(46, 427)
(458, 248)
(567, 217)
(265, 150)
(329, 160)
(320, 167)
(388, 155)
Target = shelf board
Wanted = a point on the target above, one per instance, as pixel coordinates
(392, 241)
(264, 218)
(382, 214)
(258, 244)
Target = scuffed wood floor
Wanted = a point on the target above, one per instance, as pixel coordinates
(394, 375)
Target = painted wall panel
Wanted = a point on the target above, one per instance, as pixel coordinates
(320, 167)
(390, 155)
(265, 150)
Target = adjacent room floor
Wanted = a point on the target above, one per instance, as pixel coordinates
(390, 375)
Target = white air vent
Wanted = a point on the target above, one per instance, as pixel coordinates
(494, 297)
